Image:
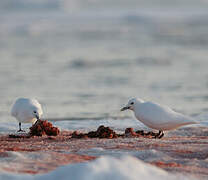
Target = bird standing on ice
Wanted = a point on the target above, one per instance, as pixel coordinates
(26, 110)
(156, 116)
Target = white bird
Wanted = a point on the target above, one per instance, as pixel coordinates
(26, 110)
(157, 116)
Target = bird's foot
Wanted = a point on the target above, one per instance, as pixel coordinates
(159, 135)
(150, 134)
(20, 130)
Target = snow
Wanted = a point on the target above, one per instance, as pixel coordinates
(105, 167)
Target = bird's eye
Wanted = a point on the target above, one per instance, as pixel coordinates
(132, 103)
(35, 111)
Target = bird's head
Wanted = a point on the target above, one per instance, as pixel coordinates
(37, 113)
(131, 104)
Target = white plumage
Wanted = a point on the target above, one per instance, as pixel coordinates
(157, 116)
(26, 110)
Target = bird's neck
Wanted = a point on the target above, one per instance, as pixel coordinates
(137, 104)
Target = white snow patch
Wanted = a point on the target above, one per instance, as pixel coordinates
(105, 167)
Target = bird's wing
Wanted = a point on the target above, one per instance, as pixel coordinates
(13, 111)
(17, 108)
(161, 115)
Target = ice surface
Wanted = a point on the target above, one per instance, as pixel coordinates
(183, 150)
(50, 55)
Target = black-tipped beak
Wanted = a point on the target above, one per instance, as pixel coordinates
(124, 108)
(37, 117)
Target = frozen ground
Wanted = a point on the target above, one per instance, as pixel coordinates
(181, 151)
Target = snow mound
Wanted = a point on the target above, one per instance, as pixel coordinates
(106, 167)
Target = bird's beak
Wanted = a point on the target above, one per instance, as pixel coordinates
(125, 108)
(37, 117)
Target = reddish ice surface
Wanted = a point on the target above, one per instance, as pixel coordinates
(184, 150)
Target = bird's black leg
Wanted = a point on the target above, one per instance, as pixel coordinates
(20, 130)
(159, 135)
(19, 127)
